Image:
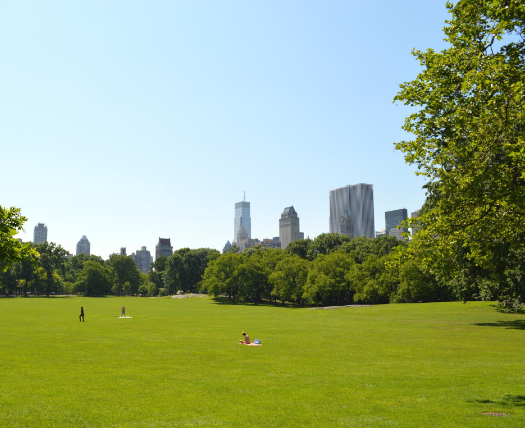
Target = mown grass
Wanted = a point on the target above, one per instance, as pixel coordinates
(177, 363)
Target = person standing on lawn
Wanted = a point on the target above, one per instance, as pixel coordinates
(81, 314)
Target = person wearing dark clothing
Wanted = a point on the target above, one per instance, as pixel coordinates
(81, 314)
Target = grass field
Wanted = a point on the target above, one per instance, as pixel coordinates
(177, 363)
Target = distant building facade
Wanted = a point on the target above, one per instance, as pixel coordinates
(380, 233)
(163, 248)
(242, 218)
(359, 199)
(392, 220)
(288, 227)
(226, 247)
(414, 214)
(83, 246)
(347, 224)
(40, 234)
(143, 259)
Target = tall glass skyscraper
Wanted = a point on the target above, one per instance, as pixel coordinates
(242, 217)
(394, 219)
(359, 198)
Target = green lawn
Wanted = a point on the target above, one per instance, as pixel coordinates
(177, 363)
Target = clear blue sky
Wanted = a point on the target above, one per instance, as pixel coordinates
(127, 121)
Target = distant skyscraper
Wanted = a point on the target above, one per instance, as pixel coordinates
(394, 219)
(288, 227)
(415, 214)
(123, 251)
(227, 247)
(360, 201)
(242, 218)
(143, 259)
(347, 225)
(163, 248)
(83, 246)
(40, 234)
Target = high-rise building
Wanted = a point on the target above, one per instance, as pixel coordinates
(40, 234)
(226, 247)
(83, 246)
(359, 199)
(242, 218)
(163, 248)
(415, 214)
(143, 259)
(242, 238)
(392, 220)
(288, 227)
(347, 225)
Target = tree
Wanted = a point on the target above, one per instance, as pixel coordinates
(94, 279)
(8, 281)
(52, 257)
(325, 243)
(11, 249)
(299, 247)
(126, 271)
(469, 131)
(289, 279)
(326, 283)
(221, 276)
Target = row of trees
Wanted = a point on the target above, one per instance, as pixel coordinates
(51, 272)
(330, 270)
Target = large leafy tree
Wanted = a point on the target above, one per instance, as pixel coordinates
(125, 272)
(469, 137)
(11, 249)
(52, 257)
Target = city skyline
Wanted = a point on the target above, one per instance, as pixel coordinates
(211, 100)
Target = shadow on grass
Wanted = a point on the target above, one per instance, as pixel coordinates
(226, 301)
(515, 324)
(507, 401)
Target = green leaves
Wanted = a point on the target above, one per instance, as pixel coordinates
(468, 131)
(12, 250)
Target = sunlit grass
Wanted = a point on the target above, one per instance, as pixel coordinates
(177, 363)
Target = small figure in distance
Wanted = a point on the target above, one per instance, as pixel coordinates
(81, 314)
(123, 311)
(246, 340)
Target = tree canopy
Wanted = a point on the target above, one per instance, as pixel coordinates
(11, 249)
(469, 139)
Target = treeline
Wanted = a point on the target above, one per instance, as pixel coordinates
(330, 270)
(85, 275)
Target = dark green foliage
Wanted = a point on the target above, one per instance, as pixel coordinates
(299, 248)
(124, 270)
(94, 280)
(52, 257)
(325, 243)
(185, 269)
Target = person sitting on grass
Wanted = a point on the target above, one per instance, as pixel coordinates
(246, 340)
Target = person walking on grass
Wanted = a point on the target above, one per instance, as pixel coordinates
(123, 311)
(81, 314)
